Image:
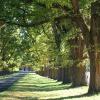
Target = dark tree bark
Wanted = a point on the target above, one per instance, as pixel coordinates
(78, 69)
(92, 40)
(66, 75)
(94, 53)
(59, 74)
(56, 73)
(75, 5)
(78, 76)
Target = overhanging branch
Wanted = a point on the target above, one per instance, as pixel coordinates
(42, 21)
(35, 23)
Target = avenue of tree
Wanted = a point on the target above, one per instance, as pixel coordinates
(59, 39)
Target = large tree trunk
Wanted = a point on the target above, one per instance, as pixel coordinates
(92, 40)
(78, 76)
(78, 69)
(95, 48)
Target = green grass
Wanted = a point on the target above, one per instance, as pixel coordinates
(35, 87)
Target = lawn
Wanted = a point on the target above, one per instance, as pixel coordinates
(35, 87)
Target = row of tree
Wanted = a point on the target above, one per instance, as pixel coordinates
(56, 36)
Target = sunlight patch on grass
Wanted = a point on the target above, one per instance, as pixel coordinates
(44, 94)
(35, 87)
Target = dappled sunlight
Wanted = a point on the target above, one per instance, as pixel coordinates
(35, 87)
(56, 39)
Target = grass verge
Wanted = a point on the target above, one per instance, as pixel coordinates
(35, 87)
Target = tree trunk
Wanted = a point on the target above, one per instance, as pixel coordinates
(92, 40)
(94, 53)
(78, 69)
(56, 73)
(66, 75)
(78, 78)
(59, 74)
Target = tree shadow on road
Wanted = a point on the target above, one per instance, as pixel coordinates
(9, 82)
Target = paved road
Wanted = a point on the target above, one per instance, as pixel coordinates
(6, 83)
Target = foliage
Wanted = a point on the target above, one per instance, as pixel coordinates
(29, 39)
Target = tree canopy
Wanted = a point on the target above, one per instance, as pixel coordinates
(51, 34)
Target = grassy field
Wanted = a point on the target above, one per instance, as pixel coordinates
(35, 87)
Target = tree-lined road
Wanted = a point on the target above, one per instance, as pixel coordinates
(6, 83)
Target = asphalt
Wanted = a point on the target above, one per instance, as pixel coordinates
(6, 83)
